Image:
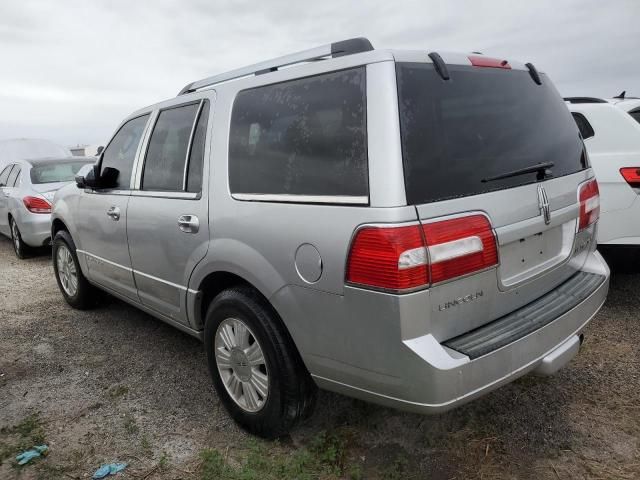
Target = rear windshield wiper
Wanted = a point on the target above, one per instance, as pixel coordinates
(543, 170)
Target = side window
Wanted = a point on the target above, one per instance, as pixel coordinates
(11, 181)
(635, 114)
(167, 151)
(196, 156)
(301, 137)
(121, 151)
(586, 130)
(4, 175)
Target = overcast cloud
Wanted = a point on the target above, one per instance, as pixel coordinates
(70, 70)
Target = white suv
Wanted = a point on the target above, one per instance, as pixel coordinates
(612, 138)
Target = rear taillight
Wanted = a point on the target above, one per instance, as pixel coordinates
(391, 258)
(460, 246)
(632, 176)
(37, 205)
(589, 197)
(409, 257)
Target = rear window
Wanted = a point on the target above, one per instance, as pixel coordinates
(586, 130)
(635, 114)
(305, 137)
(56, 172)
(482, 123)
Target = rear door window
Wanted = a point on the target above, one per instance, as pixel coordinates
(121, 151)
(164, 167)
(304, 137)
(482, 123)
(586, 130)
(4, 175)
(11, 181)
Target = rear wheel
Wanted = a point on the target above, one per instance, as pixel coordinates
(74, 286)
(255, 367)
(22, 249)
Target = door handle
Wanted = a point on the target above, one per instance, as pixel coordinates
(188, 223)
(114, 213)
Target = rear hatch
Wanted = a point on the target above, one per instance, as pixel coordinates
(494, 142)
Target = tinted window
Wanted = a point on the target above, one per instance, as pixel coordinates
(56, 172)
(167, 152)
(482, 123)
(121, 151)
(302, 137)
(13, 176)
(635, 114)
(4, 175)
(196, 157)
(586, 130)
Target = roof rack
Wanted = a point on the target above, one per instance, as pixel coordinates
(336, 49)
(584, 100)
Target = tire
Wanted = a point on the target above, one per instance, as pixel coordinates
(84, 295)
(21, 249)
(290, 394)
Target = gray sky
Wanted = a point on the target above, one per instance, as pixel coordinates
(70, 70)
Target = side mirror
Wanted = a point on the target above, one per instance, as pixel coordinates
(99, 151)
(90, 180)
(109, 177)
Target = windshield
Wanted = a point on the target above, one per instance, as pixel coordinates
(481, 124)
(56, 172)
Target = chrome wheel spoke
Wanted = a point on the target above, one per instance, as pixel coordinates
(228, 337)
(241, 335)
(250, 396)
(223, 358)
(260, 382)
(254, 354)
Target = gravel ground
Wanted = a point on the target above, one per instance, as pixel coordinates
(115, 384)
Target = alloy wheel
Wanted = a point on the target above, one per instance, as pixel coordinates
(67, 271)
(241, 364)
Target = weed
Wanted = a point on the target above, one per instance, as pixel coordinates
(326, 456)
(118, 391)
(24, 435)
(145, 444)
(163, 462)
(130, 424)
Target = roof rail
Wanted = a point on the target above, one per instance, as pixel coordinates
(584, 100)
(336, 49)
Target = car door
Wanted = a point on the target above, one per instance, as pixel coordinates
(4, 200)
(102, 221)
(167, 216)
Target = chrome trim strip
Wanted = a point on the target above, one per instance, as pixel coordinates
(137, 272)
(104, 260)
(159, 194)
(337, 199)
(166, 282)
(190, 144)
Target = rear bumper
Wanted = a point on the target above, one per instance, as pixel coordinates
(35, 228)
(437, 378)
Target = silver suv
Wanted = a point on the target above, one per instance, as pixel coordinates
(409, 228)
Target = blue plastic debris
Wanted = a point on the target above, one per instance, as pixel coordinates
(28, 455)
(109, 469)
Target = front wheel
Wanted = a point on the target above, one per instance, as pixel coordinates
(256, 369)
(74, 286)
